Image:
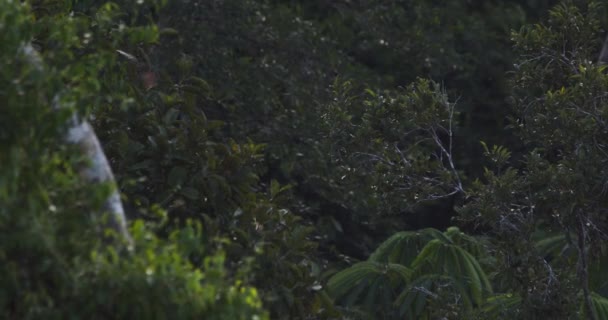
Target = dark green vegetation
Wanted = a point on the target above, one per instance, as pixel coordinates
(307, 159)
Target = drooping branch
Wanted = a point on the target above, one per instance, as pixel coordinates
(82, 136)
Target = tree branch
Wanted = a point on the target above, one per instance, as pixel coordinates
(583, 269)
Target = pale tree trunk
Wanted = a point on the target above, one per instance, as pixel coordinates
(603, 58)
(98, 171)
(82, 135)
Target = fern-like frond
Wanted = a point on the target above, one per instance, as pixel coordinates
(554, 246)
(500, 306)
(413, 300)
(600, 306)
(473, 245)
(453, 261)
(369, 284)
(403, 247)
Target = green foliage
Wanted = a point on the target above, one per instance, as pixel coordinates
(53, 264)
(167, 284)
(270, 77)
(600, 305)
(269, 144)
(172, 150)
(156, 282)
(556, 191)
(426, 269)
(366, 141)
(501, 306)
(403, 247)
(371, 283)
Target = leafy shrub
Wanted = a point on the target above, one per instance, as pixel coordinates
(53, 261)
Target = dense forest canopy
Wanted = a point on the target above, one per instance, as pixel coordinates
(303, 159)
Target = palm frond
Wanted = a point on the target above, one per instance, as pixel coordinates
(500, 306)
(552, 246)
(474, 245)
(600, 306)
(403, 247)
(413, 300)
(453, 261)
(368, 284)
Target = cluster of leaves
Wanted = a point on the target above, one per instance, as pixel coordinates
(167, 152)
(421, 274)
(248, 136)
(557, 184)
(231, 126)
(426, 274)
(268, 76)
(542, 209)
(53, 262)
(384, 153)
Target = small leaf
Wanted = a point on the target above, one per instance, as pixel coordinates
(170, 116)
(169, 32)
(190, 193)
(177, 176)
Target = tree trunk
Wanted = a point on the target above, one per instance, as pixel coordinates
(603, 58)
(81, 134)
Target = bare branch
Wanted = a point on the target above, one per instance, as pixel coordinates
(448, 152)
(583, 269)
